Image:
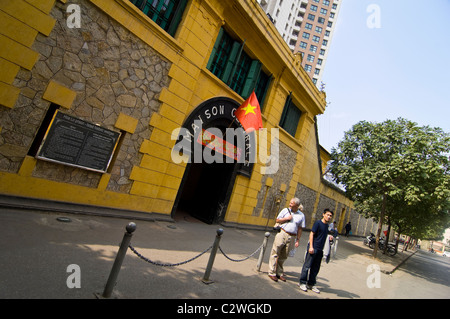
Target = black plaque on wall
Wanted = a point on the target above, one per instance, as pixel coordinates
(75, 142)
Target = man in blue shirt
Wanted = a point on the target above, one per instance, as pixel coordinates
(313, 258)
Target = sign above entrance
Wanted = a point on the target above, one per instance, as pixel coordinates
(220, 145)
(218, 114)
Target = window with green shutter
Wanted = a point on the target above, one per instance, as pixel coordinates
(290, 116)
(262, 86)
(240, 74)
(166, 13)
(220, 54)
(252, 77)
(230, 63)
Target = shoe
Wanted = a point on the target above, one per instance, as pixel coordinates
(274, 278)
(303, 287)
(315, 289)
(281, 278)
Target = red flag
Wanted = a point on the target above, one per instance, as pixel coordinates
(249, 114)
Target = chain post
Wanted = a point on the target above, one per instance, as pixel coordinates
(263, 250)
(130, 228)
(212, 256)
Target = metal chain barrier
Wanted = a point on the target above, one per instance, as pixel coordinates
(189, 260)
(125, 244)
(167, 265)
(239, 260)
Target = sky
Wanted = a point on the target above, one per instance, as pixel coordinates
(387, 59)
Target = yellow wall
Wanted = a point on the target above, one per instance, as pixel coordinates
(20, 22)
(156, 179)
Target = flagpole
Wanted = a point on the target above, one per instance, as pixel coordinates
(232, 122)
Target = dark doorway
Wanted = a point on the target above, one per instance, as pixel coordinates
(206, 190)
(206, 187)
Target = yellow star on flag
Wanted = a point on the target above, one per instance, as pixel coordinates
(249, 109)
(249, 114)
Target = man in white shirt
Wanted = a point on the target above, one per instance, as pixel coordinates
(293, 221)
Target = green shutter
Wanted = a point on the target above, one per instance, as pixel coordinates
(215, 48)
(232, 60)
(262, 86)
(233, 66)
(166, 13)
(250, 81)
(177, 17)
(285, 109)
(158, 11)
(240, 73)
(290, 117)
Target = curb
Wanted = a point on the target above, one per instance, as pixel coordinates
(41, 205)
(400, 264)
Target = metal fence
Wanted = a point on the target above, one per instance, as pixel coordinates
(125, 244)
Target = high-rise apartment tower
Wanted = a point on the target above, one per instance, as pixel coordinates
(307, 26)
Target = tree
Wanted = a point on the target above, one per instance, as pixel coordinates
(398, 168)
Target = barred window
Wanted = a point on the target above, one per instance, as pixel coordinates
(166, 13)
(261, 89)
(290, 116)
(230, 63)
(220, 54)
(240, 73)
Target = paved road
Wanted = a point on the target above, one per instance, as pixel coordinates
(424, 275)
(36, 251)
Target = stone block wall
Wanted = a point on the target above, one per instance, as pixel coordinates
(115, 79)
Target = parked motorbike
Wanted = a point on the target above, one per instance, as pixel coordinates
(390, 251)
(371, 241)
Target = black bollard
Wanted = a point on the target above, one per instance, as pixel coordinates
(263, 250)
(131, 227)
(212, 256)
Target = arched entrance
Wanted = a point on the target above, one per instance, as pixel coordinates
(206, 187)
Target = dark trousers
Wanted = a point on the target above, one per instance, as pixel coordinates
(311, 266)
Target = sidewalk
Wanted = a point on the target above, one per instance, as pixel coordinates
(37, 250)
